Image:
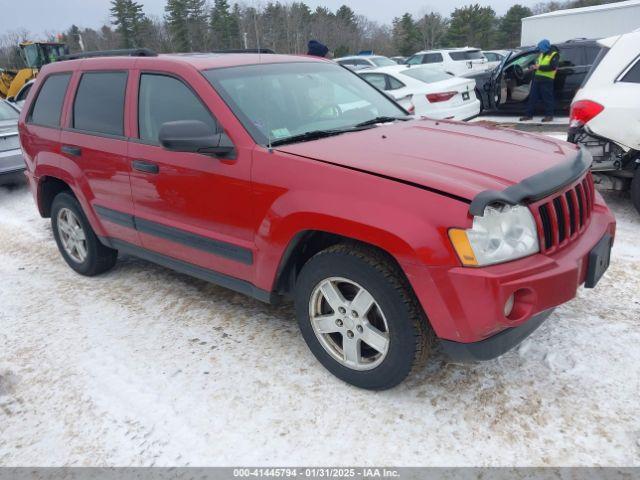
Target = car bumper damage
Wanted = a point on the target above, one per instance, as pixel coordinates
(480, 313)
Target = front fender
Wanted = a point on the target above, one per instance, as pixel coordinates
(294, 195)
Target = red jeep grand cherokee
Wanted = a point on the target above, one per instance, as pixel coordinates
(291, 177)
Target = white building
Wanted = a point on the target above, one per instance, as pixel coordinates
(587, 22)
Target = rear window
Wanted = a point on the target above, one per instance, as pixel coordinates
(48, 106)
(426, 75)
(7, 112)
(466, 55)
(383, 61)
(99, 103)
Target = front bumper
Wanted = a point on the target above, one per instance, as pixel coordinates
(466, 305)
(494, 346)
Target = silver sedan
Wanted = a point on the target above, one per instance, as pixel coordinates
(12, 164)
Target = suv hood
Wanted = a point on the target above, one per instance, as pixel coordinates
(460, 159)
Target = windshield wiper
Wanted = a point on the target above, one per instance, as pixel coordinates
(315, 135)
(383, 119)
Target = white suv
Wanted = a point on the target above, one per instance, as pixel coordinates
(456, 61)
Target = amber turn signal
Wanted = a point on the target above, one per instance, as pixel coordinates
(462, 247)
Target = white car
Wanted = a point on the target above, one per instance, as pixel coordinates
(426, 92)
(494, 57)
(359, 62)
(605, 115)
(456, 61)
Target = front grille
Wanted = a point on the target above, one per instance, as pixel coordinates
(562, 217)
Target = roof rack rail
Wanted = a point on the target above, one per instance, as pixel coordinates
(245, 50)
(125, 52)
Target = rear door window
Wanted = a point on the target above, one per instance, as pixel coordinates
(572, 57)
(48, 106)
(466, 55)
(432, 58)
(99, 103)
(376, 79)
(166, 99)
(394, 84)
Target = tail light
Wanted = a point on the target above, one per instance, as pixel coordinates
(441, 96)
(583, 111)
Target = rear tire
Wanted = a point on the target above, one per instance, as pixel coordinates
(387, 315)
(77, 242)
(635, 189)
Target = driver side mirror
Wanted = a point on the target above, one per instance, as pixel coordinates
(194, 136)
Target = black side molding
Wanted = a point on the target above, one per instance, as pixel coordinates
(494, 346)
(535, 187)
(192, 270)
(113, 216)
(192, 240)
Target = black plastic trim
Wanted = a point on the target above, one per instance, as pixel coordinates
(116, 217)
(223, 249)
(536, 187)
(494, 346)
(192, 270)
(192, 240)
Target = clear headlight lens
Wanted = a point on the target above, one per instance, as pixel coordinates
(504, 233)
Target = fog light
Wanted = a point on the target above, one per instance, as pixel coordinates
(508, 305)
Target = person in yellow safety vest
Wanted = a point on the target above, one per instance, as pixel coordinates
(544, 75)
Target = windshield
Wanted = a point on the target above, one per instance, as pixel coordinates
(383, 61)
(426, 75)
(281, 100)
(7, 112)
(467, 55)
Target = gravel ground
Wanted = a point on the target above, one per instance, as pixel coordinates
(144, 366)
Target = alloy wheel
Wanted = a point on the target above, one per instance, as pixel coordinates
(349, 323)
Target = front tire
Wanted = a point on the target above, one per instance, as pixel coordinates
(360, 318)
(635, 189)
(77, 242)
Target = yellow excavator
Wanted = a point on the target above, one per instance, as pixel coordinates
(34, 55)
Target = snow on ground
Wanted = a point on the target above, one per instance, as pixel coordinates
(144, 366)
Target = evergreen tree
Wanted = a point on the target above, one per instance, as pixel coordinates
(224, 26)
(511, 25)
(473, 26)
(128, 19)
(197, 23)
(177, 17)
(406, 37)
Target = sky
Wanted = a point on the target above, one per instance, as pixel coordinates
(38, 16)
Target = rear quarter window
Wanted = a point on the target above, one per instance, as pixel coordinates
(47, 107)
(633, 74)
(99, 103)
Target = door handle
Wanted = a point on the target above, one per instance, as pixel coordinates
(71, 150)
(144, 166)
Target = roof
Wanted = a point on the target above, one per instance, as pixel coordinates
(594, 8)
(349, 57)
(458, 49)
(199, 61)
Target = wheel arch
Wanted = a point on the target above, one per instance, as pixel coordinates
(307, 243)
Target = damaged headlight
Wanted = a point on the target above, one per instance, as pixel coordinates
(502, 234)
